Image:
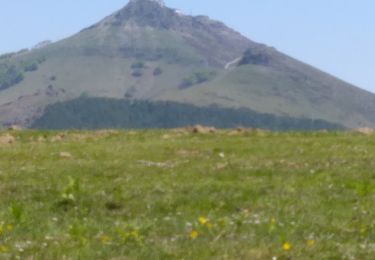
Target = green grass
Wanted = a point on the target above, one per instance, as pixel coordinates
(140, 194)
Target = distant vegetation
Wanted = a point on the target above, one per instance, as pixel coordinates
(138, 65)
(97, 113)
(7, 55)
(256, 56)
(137, 73)
(12, 73)
(157, 71)
(197, 78)
(137, 69)
(29, 66)
(9, 75)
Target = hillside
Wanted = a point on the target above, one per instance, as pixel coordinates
(147, 51)
(177, 195)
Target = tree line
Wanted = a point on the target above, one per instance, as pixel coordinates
(100, 113)
(12, 73)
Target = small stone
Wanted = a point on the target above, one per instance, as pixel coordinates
(66, 155)
(199, 129)
(221, 166)
(15, 128)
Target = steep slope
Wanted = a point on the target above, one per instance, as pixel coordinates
(151, 52)
(275, 83)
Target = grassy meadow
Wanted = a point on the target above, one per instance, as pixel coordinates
(173, 194)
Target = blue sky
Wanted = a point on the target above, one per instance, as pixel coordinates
(337, 36)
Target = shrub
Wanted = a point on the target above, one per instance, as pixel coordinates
(29, 66)
(12, 72)
(7, 56)
(188, 82)
(138, 65)
(256, 56)
(9, 75)
(197, 78)
(157, 71)
(41, 59)
(203, 76)
(137, 73)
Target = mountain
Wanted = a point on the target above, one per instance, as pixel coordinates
(147, 51)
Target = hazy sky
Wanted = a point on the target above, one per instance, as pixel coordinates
(337, 36)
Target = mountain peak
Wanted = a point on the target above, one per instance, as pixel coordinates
(151, 22)
(152, 13)
(160, 2)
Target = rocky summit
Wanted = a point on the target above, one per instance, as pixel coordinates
(147, 51)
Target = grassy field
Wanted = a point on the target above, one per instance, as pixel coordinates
(178, 195)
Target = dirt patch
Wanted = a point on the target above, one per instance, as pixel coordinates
(197, 129)
(200, 129)
(41, 139)
(188, 153)
(106, 132)
(58, 138)
(7, 139)
(239, 130)
(364, 131)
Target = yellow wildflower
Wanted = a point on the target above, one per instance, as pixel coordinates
(209, 225)
(104, 239)
(202, 220)
(287, 246)
(310, 242)
(194, 234)
(9, 227)
(134, 234)
(3, 249)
